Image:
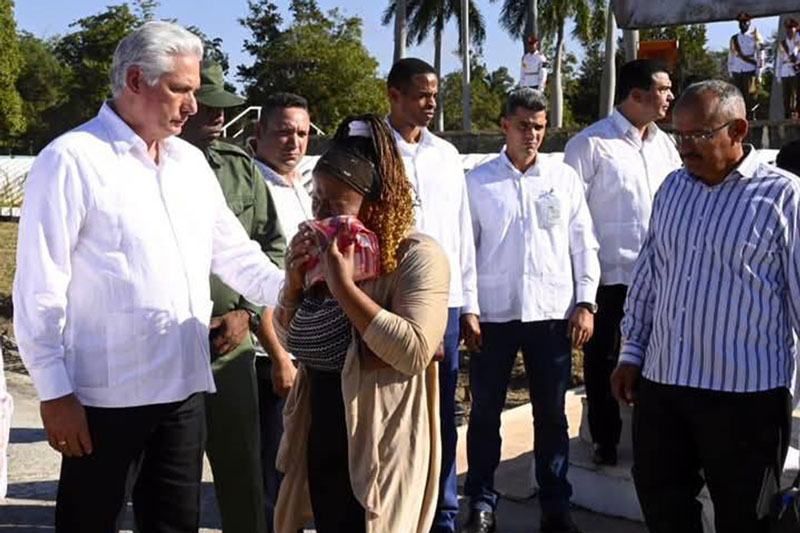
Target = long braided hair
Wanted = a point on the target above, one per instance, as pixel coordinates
(391, 216)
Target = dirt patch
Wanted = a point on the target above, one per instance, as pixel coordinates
(518, 385)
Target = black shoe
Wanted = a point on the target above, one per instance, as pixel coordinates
(480, 522)
(558, 523)
(604, 455)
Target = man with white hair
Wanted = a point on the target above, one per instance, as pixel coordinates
(121, 227)
(708, 355)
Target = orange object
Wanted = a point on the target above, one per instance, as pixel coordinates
(666, 51)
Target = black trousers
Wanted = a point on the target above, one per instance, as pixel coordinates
(335, 507)
(156, 449)
(599, 359)
(684, 438)
(270, 412)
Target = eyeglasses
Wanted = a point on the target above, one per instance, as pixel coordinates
(683, 138)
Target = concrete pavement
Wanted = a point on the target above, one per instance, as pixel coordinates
(33, 474)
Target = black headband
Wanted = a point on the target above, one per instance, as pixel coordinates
(344, 162)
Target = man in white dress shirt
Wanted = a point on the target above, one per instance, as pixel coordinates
(282, 134)
(745, 60)
(533, 72)
(442, 211)
(121, 227)
(538, 272)
(622, 159)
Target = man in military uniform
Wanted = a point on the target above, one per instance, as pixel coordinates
(534, 66)
(233, 444)
(746, 61)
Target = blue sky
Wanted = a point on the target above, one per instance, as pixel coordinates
(218, 18)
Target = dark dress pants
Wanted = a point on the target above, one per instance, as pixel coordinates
(233, 444)
(791, 95)
(547, 356)
(270, 407)
(599, 360)
(335, 507)
(447, 505)
(684, 438)
(158, 448)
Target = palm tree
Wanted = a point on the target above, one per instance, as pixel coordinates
(520, 18)
(425, 16)
(590, 22)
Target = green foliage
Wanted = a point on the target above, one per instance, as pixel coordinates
(582, 92)
(42, 83)
(589, 15)
(319, 55)
(63, 81)
(425, 16)
(88, 52)
(12, 119)
(695, 62)
(488, 91)
(212, 48)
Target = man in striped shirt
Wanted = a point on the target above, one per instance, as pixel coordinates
(709, 350)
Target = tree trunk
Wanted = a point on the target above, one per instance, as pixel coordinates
(630, 41)
(608, 86)
(400, 30)
(466, 97)
(437, 64)
(531, 22)
(557, 91)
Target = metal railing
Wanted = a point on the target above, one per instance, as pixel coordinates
(244, 114)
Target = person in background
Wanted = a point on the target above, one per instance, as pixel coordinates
(746, 61)
(361, 450)
(281, 140)
(537, 277)
(123, 224)
(789, 157)
(533, 72)
(622, 159)
(233, 444)
(787, 68)
(434, 169)
(709, 351)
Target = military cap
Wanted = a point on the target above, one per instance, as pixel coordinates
(212, 91)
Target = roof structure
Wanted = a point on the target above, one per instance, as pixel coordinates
(636, 14)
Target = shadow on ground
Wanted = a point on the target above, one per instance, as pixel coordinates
(27, 435)
(37, 513)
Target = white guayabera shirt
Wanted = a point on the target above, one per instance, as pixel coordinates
(111, 295)
(442, 211)
(622, 173)
(536, 251)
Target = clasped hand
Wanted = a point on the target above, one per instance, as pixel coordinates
(338, 267)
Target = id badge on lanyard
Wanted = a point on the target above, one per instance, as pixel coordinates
(548, 210)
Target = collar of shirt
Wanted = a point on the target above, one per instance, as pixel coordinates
(534, 170)
(270, 175)
(408, 149)
(123, 139)
(747, 169)
(631, 132)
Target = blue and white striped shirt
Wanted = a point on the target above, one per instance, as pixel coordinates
(715, 296)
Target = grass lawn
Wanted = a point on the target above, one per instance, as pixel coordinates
(8, 252)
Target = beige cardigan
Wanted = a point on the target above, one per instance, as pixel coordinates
(392, 413)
